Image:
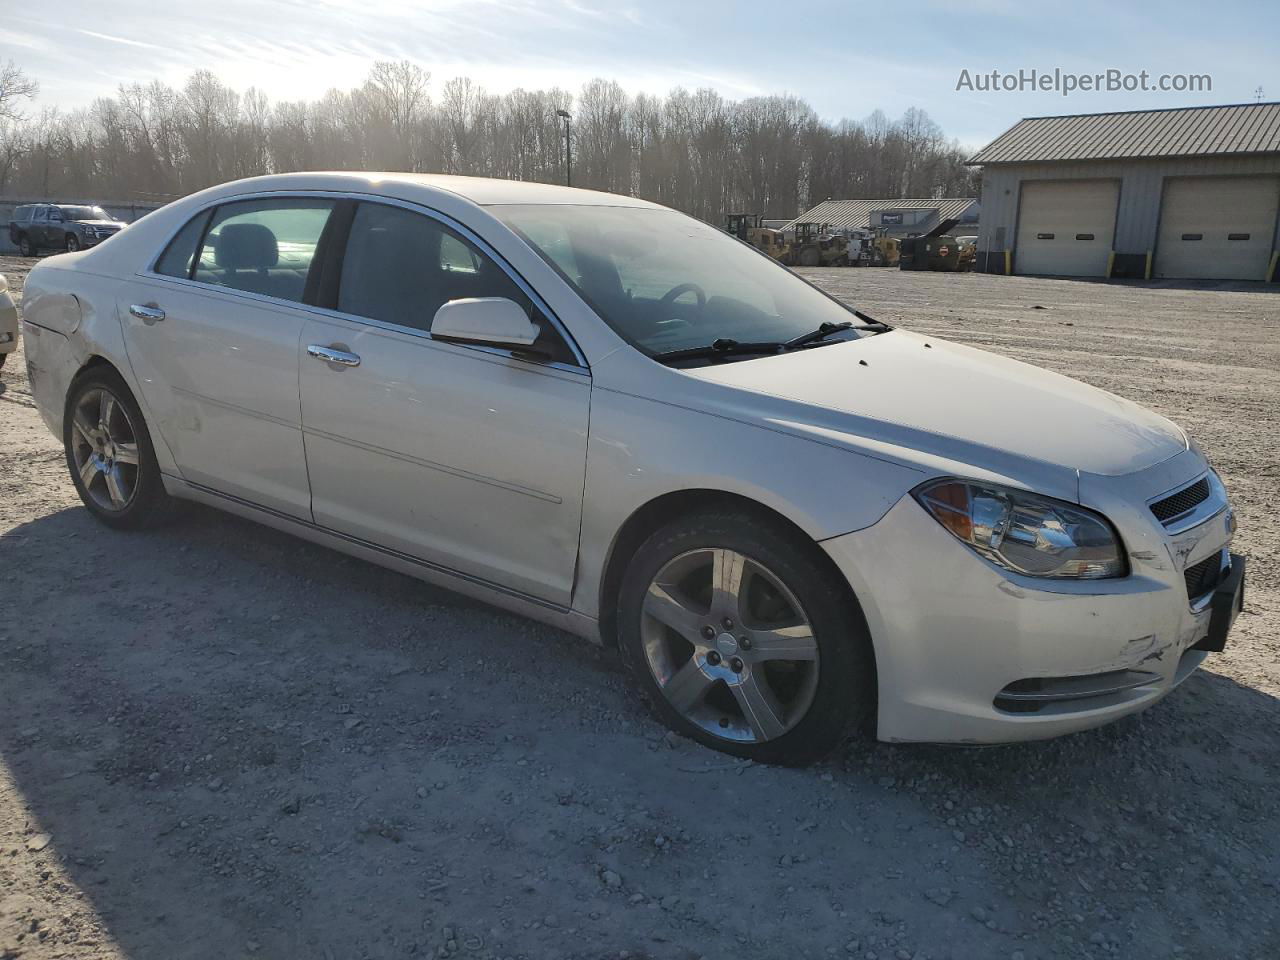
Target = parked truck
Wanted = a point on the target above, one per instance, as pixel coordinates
(60, 226)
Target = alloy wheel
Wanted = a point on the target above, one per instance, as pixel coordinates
(729, 645)
(104, 448)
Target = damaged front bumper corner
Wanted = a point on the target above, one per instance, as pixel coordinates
(970, 653)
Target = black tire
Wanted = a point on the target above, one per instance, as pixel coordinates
(148, 504)
(844, 694)
(3, 358)
(25, 247)
(73, 243)
(810, 257)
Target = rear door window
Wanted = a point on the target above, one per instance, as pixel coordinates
(263, 246)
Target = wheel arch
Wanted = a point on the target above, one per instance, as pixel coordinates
(95, 360)
(671, 506)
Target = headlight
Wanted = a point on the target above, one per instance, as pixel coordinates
(1028, 534)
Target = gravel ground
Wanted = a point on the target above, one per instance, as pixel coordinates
(218, 741)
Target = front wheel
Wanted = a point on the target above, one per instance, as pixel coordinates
(109, 453)
(73, 243)
(745, 640)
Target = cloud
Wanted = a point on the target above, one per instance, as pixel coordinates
(108, 37)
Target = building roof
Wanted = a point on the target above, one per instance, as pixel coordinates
(856, 214)
(1179, 132)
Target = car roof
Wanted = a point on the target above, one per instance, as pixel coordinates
(479, 190)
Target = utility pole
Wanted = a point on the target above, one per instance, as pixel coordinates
(568, 150)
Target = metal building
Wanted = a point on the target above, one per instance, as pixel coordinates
(899, 218)
(1191, 192)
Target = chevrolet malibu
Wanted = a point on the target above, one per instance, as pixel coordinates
(791, 519)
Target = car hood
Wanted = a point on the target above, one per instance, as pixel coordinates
(97, 223)
(907, 392)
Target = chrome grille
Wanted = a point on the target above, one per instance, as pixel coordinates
(1181, 502)
(1203, 576)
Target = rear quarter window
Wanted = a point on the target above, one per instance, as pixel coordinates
(179, 257)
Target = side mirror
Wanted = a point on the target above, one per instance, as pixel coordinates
(487, 321)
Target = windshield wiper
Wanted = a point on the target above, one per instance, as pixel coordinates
(728, 347)
(813, 336)
(828, 328)
(723, 347)
(871, 321)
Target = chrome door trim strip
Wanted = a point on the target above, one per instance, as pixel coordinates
(433, 465)
(378, 548)
(150, 273)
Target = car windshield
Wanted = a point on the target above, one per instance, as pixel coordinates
(664, 281)
(83, 212)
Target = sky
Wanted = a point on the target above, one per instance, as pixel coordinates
(845, 57)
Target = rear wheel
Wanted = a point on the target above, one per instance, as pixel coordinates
(744, 641)
(810, 257)
(109, 452)
(73, 243)
(25, 246)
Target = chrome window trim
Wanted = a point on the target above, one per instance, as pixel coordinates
(1202, 512)
(149, 271)
(323, 313)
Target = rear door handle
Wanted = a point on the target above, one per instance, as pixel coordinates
(148, 313)
(333, 355)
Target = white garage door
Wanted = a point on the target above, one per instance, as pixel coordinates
(1065, 227)
(1217, 227)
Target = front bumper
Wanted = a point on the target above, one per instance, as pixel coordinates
(969, 653)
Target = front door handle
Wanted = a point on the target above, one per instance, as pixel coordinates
(333, 355)
(148, 313)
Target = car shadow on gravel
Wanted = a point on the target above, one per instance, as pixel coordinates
(235, 743)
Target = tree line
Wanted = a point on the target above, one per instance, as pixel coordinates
(696, 150)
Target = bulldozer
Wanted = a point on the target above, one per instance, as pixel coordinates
(814, 245)
(748, 228)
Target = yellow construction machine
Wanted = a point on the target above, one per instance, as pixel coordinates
(748, 228)
(815, 245)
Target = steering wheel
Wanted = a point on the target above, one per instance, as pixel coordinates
(676, 292)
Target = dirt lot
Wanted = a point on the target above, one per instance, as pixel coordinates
(220, 742)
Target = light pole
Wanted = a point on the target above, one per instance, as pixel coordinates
(568, 150)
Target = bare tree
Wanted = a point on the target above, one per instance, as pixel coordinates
(398, 92)
(15, 86)
(695, 151)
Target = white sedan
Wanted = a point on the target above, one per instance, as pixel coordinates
(791, 518)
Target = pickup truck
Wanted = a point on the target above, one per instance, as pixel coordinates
(60, 226)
